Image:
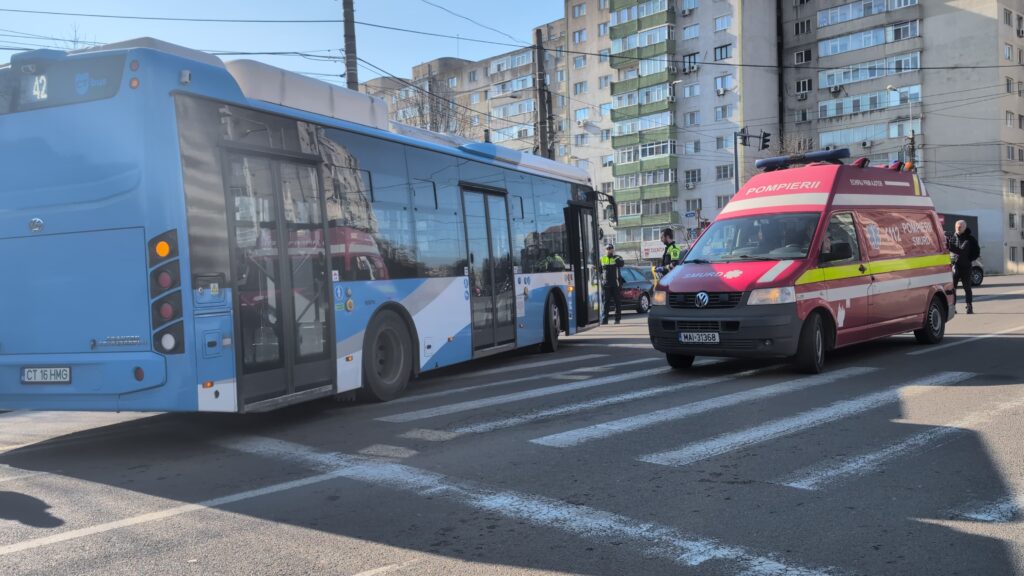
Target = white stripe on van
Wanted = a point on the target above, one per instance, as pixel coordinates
(775, 271)
(815, 198)
(881, 200)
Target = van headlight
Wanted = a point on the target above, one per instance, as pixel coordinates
(784, 295)
(659, 298)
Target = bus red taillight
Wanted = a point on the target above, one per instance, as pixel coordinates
(164, 279)
(166, 311)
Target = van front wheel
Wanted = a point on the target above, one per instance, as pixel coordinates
(934, 324)
(810, 353)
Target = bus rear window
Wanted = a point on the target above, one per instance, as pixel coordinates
(28, 85)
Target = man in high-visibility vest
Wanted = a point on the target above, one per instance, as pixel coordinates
(610, 265)
(670, 257)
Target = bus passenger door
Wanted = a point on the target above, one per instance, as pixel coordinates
(491, 279)
(279, 260)
(583, 257)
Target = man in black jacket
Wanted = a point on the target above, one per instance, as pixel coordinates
(610, 264)
(964, 248)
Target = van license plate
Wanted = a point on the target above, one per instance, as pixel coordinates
(50, 375)
(698, 337)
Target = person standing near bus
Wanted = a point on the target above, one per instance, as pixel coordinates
(965, 250)
(610, 264)
(672, 252)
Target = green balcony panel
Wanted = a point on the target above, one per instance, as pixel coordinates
(655, 135)
(660, 219)
(627, 86)
(625, 113)
(623, 246)
(624, 141)
(662, 77)
(627, 194)
(666, 47)
(627, 221)
(625, 59)
(658, 191)
(628, 112)
(657, 19)
(655, 107)
(626, 169)
(623, 30)
(620, 4)
(659, 163)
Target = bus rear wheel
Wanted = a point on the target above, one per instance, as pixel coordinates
(552, 326)
(387, 357)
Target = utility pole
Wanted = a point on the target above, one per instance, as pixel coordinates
(543, 103)
(738, 138)
(351, 69)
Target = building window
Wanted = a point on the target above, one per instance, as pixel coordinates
(579, 62)
(691, 176)
(802, 56)
(852, 11)
(1009, 152)
(606, 135)
(579, 88)
(602, 29)
(1013, 222)
(719, 142)
(1013, 253)
(692, 147)
(580, 139)
(724, 82)
(606, 110)
(629, 208)
(1008, 52)
(607, 187)
(474, 98)
(579, 36)
(602, 5)
(803, 27)
(604, 55)
(1007, 17)
(723, 52)
(723, 112)
(800, 116)
(804, 86)
(724, 172)
(472, 75)
(689, 4)
(721, 201)
(723, 22)
(608, 160)
(560, 75)
(1010, 119)
(897, 4)
(604, 81)
(579, 10)
(582, 114)
(898, 32)
(691, 32)
(694, 204)
(691, 90)
(691, 118)
(453, 82)
(1009, 85)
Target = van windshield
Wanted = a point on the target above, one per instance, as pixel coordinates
(764, 237)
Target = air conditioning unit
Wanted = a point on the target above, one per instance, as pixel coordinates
(1020, 33)
(721, 91)
(690, 185)
(672, 69)
(867, 144)
(670, 99)
(694, 67)
(835, 89)
(801, 96)
(687, 12)
(582, 123)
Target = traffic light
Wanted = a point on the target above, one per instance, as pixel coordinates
(743, 136)
(766, 140)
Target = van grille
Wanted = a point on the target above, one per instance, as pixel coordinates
(716, 300)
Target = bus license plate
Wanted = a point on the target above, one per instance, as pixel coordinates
(698, 337)
(50, 375)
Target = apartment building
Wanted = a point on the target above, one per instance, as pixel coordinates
(682, 89)
(863, 74)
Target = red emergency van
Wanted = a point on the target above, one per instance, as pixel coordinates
(807, 259)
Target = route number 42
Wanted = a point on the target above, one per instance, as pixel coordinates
(39, 88)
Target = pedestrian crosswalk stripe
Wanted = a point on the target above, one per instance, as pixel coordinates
(930, 349)
(527, 365)
(655, 540)
(632, 423)
(577, 407)
(817, 476)
(1004, 509)
(698, 451)
(519, 380)
(519, 396)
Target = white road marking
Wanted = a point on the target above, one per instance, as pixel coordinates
(389, 568)
(994, 296)
(576, 377)
(528, 365)
(428, 435)
(817, 476)
(632, 423)
(581, 521)
(472, 388)
(698, 451)
(577, 407)
(931, 349)
(386, 451)
(518, 396)
(1002, 510)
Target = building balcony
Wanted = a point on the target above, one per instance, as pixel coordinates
(653, 135)
(632, 56)
(627, 194)
(635, 84)
(629, 221)
(634, 26)
(660, 219)
(659, 163)
(657, 191)
(627, 112)
(620, 4)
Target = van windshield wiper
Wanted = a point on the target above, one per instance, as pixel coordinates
(754, 258)
(697, 261)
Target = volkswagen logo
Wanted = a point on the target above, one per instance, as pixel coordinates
(701, 300)
(35, 225)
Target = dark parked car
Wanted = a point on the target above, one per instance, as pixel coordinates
(636, 288)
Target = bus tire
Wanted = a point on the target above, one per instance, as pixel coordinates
(934, 327)
(810, 352)
(387, 357)
(679, 361)
(552, 325)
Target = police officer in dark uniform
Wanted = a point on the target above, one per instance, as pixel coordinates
(610, 265)
(672, 252)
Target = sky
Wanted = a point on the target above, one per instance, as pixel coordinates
(393, 51)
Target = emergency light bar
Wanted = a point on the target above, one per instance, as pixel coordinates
(781, 162)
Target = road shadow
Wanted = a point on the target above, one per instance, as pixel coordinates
(27, 510)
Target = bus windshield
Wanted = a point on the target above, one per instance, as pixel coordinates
(763, 237)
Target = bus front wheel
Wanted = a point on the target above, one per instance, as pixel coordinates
(387, 357)
(552, 325)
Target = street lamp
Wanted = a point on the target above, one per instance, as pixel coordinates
(910, 112)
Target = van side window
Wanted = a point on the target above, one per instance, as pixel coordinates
(839, 244)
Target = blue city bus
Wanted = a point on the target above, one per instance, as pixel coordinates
(179, 233)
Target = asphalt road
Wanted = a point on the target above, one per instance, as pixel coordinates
(900, 459)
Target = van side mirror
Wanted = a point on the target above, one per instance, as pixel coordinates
(840, 251)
